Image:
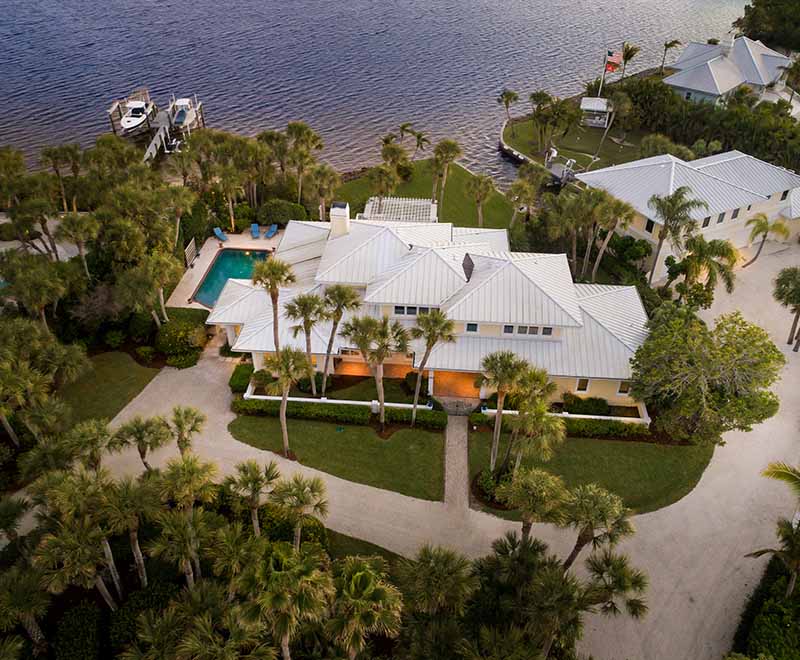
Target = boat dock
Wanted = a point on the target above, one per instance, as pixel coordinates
(562, 172)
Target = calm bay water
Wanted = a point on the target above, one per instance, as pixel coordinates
(354, 70)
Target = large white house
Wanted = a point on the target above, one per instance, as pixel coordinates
(734, 186)
(712, 72)
(583, 335)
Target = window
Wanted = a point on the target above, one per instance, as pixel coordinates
(399, 309)
(547, 331)
(522, 329)
(424, 310)
(412, 311)
(533, 330)
(624, 387)
(583, 385)
(784, 195)
(649, 226)
(472, 327)
(735, 214)
(688, 96)
(508, 329)
(706, 221)
(720, 217)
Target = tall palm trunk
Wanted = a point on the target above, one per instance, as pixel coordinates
(526, 528)
(63, 191)
(601, 252)
(418, 386)
(50, 239)
(444, 184)
(655, 258)
(792, 582)
(480, 214)
(498, 425)
(285, 654)
(34, 631)
(143, 456)
(574, 248)
(514, 216)
(334, 328)
(254, 520)
(758, 252)
(298, 531)
(231, 216)
(82, 254)
(133, 535)
(112, 566)
(381, 397)
(155, 318)
(663, 62)
(43, 319)
(548, 644)
(584, 538)
(311, 374)
(284, 429)
(791, 339)
(517, 463)
(163, 305)
(275, 338)
(105, 593)
(15, 438)
(588, 253)
(188, 574)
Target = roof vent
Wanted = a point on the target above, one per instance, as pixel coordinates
(468, 266)
(340, 219)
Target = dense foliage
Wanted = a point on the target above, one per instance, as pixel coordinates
(327, 412)
(775, 22)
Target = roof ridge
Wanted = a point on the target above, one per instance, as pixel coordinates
(482, 284)
(550, 297)
(249, 292)
(614, 288)
(360, 246)
(400, 272)
(721, 180)
(606, 328)
(711, 71)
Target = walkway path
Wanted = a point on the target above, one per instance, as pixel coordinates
(693, 551)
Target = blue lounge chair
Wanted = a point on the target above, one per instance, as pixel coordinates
(255, 230)
(273, 229)
(220, 234)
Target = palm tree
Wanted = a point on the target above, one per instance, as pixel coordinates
(537, 431)
(715, 259)
(12, 511)
(162, 270)
(181, 163)
(674, 212)
(288, 365)
(232, 636)
(187, 422)
(791, 75)
(500, 371)
(178, 542)
(480, 188)
(406, 128)
(21, 387)
(302, 160)
(366, 603)
(521, 195)
(600, 517)
(433, 328)
(78, 229)
(446, 152)
(538, 495)
(127, 504)
(668, 46)
(420, 142)
(761, 226)
(23, 602)
(789, 551)
(146, 434)
(272, 275)
(49, 454)
(613, 579)
(629, 51)
(53, 157)
(178, 200)
(339, 298)
(376, 341)
(557, 602)
(11, 647)
(230, 182)
(326, 182)
(787, 292)
(303, 498)
(615, 215)
(71, 554)
(385, 181)
(232, 551)
(157, 633)
(250, 483)
(309, 309)
(437, 581)
(506, 99)
(621, 108)
(92, 439)
(288, 589)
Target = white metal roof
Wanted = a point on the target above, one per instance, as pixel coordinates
(617, 308)
(758, 175)
(792, 211)
(238, 302)
(716, 76)
(400, 209)
(594, 104)
(638, 181)
(497, 239)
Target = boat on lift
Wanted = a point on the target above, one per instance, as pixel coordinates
(137, 116)
(185, 114)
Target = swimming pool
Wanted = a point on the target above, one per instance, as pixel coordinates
(228, 264)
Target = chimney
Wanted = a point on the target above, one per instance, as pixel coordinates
(468, 266)
(340, 219)
(727, 46)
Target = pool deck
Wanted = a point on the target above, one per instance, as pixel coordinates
(181, 296)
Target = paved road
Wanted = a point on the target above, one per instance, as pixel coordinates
(692, 551)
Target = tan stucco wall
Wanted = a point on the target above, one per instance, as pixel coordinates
(604, 389)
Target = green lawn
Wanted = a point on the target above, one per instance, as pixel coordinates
(576, 144)
(646, 475)
(115, 379)
(458, 207)
(363, 389)
(187, 314)
(410, 462)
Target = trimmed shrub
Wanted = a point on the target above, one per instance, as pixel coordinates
(140, 327)
(180, 337)
(262, 378)
(590, 406)
(433, 420)
(240, 378)
(280, 211)
(7, 232)
(774, 571)
(609, 429)
(304, 384)
(775, 632)
(78, 634)
(146, 353)
(114, 338)
(122, 625)
(183, 360)
(410, 381)
(324, 412)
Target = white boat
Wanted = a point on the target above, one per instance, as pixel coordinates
(136, 115)
(184, 116)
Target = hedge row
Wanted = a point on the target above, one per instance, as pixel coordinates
(326, 412)
(433, 420)
(581, 428)
(240, 378)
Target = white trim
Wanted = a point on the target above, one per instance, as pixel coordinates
(619, 388)
(578, 382)
(643, 420)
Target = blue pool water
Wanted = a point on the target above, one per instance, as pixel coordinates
(229, 264)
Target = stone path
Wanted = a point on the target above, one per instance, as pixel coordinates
(456, 463)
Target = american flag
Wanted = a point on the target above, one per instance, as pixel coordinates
(613, 60)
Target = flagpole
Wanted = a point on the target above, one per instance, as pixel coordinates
(603, 77)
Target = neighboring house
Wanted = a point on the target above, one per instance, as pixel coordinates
(735, 187)
(583, 335)
(596, 111)
(712, 72)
